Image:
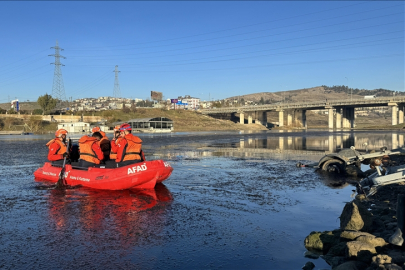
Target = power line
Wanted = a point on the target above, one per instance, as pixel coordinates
(228, 29)
(271, 65)
(297, 46)
(255, 44)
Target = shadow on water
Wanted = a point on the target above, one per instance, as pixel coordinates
(127, 216)
(98, 205)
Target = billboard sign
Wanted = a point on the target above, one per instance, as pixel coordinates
(156, 95)
(174, 100)
(15, 104)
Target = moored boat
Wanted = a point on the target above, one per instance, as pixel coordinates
(142, 175)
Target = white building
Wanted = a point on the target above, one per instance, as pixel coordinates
(76, 127)
(192, 103)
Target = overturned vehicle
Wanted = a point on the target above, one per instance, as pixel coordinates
(385, 169)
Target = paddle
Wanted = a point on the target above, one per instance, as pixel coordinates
(62, 180)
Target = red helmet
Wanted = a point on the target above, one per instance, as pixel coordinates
(117, 128)
(61, 131)
(125, 126)
(96, 129)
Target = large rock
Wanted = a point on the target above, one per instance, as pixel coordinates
(351, 265)
(322, 241)
(360, 251)
(355, 217)
(372, 240)
(397, 255)
(396, 238)
(334, 261)
(337, 250)
(308, 266)
(381, 259)
(352, 235)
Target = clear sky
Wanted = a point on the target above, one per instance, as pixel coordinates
(206, 49)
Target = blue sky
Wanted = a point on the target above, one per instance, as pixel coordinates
(206, 49)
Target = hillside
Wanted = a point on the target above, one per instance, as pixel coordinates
(314, 94)
(307, 94)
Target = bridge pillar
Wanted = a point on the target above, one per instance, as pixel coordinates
(346, 117)
(250, 119)
(281, 118)
(339, 141)
(330, 118)
(394, 141)
(242, 118)
(304, 118)
(281, 143)
(351, 117)
(261, 118)
(264, 118)
(338, 117)
(331, 146)
(401, 114)
(295, 118)
(289, 118)
(394, 115)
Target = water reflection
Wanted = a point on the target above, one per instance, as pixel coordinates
(125, 214)
(288, 146)
(330, 143)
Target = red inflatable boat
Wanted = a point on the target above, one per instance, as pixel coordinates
(143, 175)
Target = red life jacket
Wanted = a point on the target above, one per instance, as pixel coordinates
(62, 148)
(133, 148)
(86, 152)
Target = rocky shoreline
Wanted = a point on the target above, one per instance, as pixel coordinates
(368, 229)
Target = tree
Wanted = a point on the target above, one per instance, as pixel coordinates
(47, 103)
(261, 102)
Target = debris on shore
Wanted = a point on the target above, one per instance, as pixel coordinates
(368, 237)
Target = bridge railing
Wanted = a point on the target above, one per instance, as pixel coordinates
(305, 104)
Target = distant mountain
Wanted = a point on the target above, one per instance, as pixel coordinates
(315, 94)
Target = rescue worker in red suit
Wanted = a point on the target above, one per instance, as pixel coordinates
(129, 147)
(114, 143)
(90, 151)
(58, 147)
(104, 143)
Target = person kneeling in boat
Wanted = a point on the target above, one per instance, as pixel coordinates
(58, 147)
(104, 143)
(114, 143)
(90, 151)
(129, 147)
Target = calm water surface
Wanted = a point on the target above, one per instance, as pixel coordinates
(235, 200)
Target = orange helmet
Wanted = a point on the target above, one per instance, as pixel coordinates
(117, 128)
(59, 132)
(125, 126)
(96, 129)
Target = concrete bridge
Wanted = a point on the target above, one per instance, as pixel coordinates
(340, 112)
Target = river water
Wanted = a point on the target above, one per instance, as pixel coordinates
(235, 200)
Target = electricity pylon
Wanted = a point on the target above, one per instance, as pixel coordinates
(117, 92)
(58, 89)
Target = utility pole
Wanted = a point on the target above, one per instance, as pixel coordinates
(117, 92)
(58, 89)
